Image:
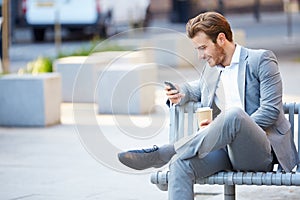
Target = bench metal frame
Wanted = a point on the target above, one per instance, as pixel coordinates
(182, 121)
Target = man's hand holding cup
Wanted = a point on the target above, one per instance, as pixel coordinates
(204, 116)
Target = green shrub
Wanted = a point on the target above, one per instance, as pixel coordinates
(85, 51)
(40, 65)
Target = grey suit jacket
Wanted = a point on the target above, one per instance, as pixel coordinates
(260, 88)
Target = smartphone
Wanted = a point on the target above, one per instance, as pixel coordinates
(171, 85)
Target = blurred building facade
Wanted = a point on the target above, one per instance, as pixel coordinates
(165, 8)
(181, 10)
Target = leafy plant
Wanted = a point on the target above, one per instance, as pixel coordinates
(40, 65)
(85, 51)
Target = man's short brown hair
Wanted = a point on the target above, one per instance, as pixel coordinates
(211, 23)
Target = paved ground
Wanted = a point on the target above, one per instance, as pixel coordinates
(56, 162)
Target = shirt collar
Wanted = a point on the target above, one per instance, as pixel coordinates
(235, 57)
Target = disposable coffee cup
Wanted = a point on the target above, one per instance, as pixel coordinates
(204, 113)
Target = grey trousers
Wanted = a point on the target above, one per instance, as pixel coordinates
(233, 141)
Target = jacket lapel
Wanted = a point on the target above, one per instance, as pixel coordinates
(242, 73)
(212, 79)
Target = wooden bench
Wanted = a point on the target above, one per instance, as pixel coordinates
(182, 121)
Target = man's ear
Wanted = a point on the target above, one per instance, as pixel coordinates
(221, 39)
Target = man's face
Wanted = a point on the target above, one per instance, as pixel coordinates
(207, 50)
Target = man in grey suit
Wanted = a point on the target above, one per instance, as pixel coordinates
(249, 131)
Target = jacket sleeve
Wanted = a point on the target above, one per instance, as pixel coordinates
(270, 86)
(192, 92)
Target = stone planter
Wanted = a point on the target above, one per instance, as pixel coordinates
(127, 89)
(80, 73)
(30, 100)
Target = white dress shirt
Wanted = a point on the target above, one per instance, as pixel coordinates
(227, 94)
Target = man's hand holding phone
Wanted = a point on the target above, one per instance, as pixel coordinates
(172, 91)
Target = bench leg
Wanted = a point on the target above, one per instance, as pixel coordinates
(229, 192)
